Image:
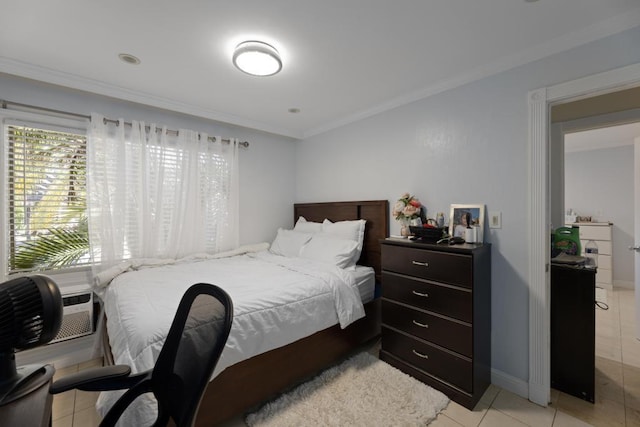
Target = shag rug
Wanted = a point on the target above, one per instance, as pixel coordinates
(362, 391)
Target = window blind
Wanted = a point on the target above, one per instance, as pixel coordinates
(47, 198)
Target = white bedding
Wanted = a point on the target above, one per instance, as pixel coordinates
(277, 301)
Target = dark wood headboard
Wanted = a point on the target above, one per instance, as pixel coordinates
(376, 212)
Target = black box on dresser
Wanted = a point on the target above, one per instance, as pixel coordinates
(436, 315)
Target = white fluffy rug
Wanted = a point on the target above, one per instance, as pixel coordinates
(362, 391)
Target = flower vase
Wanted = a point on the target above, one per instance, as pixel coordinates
(404, 229)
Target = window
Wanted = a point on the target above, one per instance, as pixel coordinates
(159, 194)
(45, 197)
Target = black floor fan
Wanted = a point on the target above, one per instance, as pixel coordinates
(30, 315)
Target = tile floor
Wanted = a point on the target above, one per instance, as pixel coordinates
(617, 382)
(75, 407)
(617, 386)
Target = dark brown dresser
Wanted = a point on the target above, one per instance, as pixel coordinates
(436, 315)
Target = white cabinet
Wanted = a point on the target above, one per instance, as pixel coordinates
(599, 232)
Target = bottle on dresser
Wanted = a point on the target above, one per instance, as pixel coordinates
(591, 254)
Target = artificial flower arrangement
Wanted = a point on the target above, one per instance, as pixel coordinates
(407, 207)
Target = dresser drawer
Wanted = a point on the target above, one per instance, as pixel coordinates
(604, 261)
(452, 302)
(452, 369)
(447, 333)
(604, 246)
(594, 232)
(455, 269)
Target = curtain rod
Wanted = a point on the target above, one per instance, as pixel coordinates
(4, 104)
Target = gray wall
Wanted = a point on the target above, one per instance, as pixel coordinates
(267, 167)
(599, 183)
(466, 145)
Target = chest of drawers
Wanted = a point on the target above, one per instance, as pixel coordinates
(601, 234)
(436, 315)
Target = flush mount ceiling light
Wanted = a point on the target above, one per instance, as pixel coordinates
(257, 58)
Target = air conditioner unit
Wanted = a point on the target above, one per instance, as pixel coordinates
(77, 317)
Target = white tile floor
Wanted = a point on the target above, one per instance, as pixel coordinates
(75, 407)
(617, 387)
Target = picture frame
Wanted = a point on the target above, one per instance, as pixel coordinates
(458, 220)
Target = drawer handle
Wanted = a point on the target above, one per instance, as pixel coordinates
(424, 356)
(420, 294)
(422, 325)
(423, 264)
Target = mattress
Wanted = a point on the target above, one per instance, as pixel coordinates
(277, 301)
(365, 282)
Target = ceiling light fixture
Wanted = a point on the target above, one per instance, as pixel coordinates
(257, 58)
(129, 59)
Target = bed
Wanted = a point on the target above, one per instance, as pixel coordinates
(239, 382)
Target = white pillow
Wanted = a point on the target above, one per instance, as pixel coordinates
(351, 230)
(307, 226)
(331, 250)
(288, 243)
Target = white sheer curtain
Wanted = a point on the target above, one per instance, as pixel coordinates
(153, 194)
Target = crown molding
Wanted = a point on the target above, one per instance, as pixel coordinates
(594, 32)
(609, 27)
(47, 75)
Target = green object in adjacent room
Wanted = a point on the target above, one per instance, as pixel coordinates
(567, 239)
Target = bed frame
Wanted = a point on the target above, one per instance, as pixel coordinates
(246, 384)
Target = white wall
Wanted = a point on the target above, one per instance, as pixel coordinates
(599, 183)
(267, 167)
(467, 145)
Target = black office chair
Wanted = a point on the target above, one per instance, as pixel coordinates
(185, 364)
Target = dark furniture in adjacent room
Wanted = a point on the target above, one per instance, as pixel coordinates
(573, 322)
(436, 315)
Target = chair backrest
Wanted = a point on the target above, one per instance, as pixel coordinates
(190, 353)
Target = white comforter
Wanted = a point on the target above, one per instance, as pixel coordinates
(276, 300)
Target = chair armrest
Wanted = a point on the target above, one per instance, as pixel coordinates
(94, 379)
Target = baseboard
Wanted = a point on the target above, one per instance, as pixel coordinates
(61, 354)
(510, 383)
(624, 284)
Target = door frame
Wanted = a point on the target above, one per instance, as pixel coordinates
(636, 230)
(540, 101)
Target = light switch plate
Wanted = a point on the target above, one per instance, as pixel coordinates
(495, 219)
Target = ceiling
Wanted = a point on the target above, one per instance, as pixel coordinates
(342, 60)
(607, 137)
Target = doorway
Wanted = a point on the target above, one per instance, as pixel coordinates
(597, 183)
(600, 184)
(540, 102)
